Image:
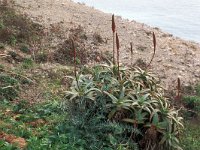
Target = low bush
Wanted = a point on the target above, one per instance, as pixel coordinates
(27, 63)
(9, 87)
(16, 28)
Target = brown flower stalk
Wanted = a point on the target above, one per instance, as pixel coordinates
(74, 55)
(154, 48)
(179, 87)
(131, 53)
(117, 44)
(113, 30)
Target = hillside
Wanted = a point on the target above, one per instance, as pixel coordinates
(174, 56)
(48, 103)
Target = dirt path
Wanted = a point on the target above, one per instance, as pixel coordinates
(174, 57)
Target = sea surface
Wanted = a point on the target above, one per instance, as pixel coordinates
(178, 17)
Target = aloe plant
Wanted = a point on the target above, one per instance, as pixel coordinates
(135, 100)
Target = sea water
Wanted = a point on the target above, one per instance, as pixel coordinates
(178, 17)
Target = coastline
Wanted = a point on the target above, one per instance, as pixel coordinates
(174, 57)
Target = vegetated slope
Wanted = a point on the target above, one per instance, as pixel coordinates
(174, 57)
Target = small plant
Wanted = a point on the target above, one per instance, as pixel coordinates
(97, 38)
(1, 25)
(12, 54)
(197, 89)
(24, 48)
(27, 63)
(41, 57)
(192, 103)
(190, 139)
(65, 53)
(9, 87)
(140, 63)
(13, 40)
(2, 46)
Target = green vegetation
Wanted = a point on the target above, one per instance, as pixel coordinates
(9, 87)
(40, 125)
(122, 110)
(190, 138)
(104, 107)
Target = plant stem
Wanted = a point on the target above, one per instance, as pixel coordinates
(114, 48)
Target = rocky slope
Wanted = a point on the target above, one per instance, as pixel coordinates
(174, 57)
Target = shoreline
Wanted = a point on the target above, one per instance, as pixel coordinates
(174, 57)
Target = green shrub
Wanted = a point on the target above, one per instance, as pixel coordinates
(41, 57)
(197, 88)
(24, 48)
(2, 46)
(121, 110)
(192, 103)
(27, 63)
(9, 87)
(190, 139)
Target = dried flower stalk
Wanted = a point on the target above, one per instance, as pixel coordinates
(131, 44)
(154, 49)
(74, 55)
(117, 44)
(113, 30)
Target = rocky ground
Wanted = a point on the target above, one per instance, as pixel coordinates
(174, 57)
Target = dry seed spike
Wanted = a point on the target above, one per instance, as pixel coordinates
(131, 44)
(74, 52)
(113, 30)
(117, 44)
(154, 50)
(179, 86)
(113, 23)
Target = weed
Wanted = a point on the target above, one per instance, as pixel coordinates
(9, 87)
(140, 63)
(97, 38)
(78, 33)
(41, 57)
(2, 46)
(27, 63)
(1, 25)
(13, 40)
(65, 53)
(24, 48)
(192, 103)
(197, 89)
(190, 139)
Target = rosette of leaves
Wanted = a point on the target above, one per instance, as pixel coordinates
(126, 97)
